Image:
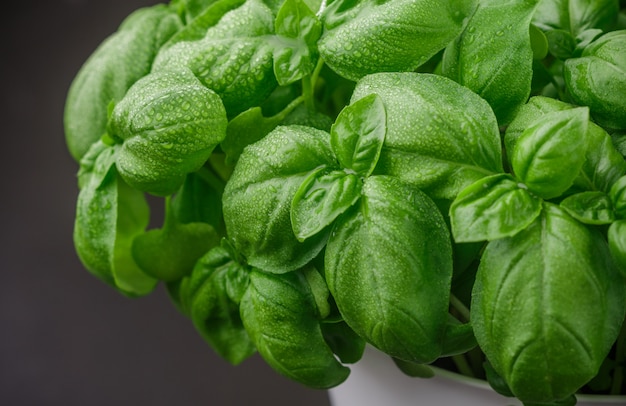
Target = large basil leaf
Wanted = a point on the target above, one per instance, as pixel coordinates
(388, 35)
(603, 164)
(258, 197)
(441, 137)
(598, 79)
(233, 58)
(550, 153)
(168, 125)
(388, 265)
(491, 208)
(547, 306)
(211, 296)
(280, 314)
(493, 55)
(109, 215)
(121, 60)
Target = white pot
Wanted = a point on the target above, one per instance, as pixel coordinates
(376, 381)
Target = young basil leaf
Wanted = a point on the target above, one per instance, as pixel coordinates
(297, 31)
(617, 244)
(171, 252)
(194, 8)
(497, 35)
(493, 207)
(215, 315)
(168, 124)
(589, 207)
(550, 153)
(121, 60)
(280, 314)
(109, 215)
(392, 288)
(258, 197)
(414, 369)
(538, 43)
(576, 16)
(321, 198)
(388, 35)
(602, 165)
(320, 291)
(561, 43)
(441, 137)
(618, 197)
(597, 79)
(573, 306)
(358, 134)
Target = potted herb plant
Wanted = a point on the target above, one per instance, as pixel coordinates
(442, 180)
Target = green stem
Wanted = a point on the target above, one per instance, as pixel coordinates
(620, 358)
(308, 85)
(290, 107)
(212, 179)
(460, 307)
(461, 364)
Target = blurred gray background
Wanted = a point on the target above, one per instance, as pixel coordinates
(65, 337)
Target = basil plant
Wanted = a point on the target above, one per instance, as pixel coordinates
(442, 180)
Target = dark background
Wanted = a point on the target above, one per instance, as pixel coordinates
(65, 337)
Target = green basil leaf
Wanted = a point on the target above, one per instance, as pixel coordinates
(619, 141)
(618, 197)
(576, 16)
(280, 314)
(214, 313)
(358, 134)
(617, 244)
(297, 29)
(538, 43)
(573, 306)
(589, 207)
(321, 198)
(392, 288)
(168, 124)
(198, 201)
(459, 338)
(233, 57)
(171, 252)
(109, 215)
(245, 129)
(602, 165)
(343, 341)
(388, 35)
(498, 36)
(414, 369)
(121, 60)
(561, 43)
(258, 197)
(598, 79)
(550, 153)
(494, 207)
(441, 137)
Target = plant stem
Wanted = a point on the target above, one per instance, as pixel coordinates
(620, 358)
(460, 307)
(211, 178)
(461, 364)
(289, 108)
(308, 85)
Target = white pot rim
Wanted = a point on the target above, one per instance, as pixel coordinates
(375, 380)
